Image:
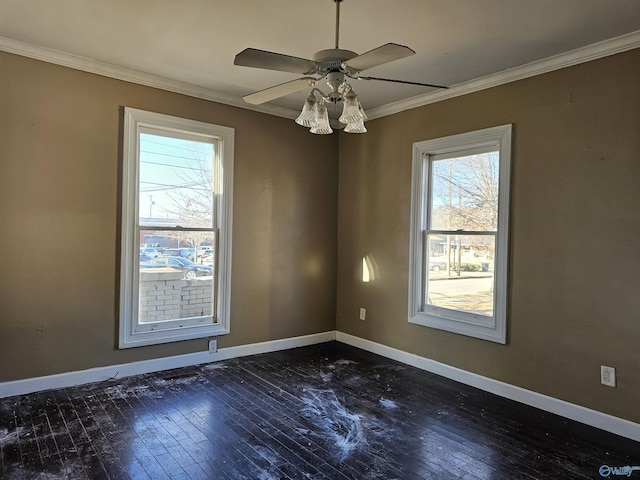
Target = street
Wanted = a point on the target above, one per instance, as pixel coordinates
(471, 294)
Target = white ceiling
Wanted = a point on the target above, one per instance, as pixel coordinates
(193, 42)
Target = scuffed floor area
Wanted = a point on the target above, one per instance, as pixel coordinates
(328, 411)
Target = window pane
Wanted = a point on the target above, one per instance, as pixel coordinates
(460, 271)
(174, 283)
(176, 181)
(464, 193)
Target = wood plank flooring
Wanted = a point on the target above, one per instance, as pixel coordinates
(328, 411)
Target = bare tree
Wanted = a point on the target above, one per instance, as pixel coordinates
(194, 204)
(466, 190)
(465, 200)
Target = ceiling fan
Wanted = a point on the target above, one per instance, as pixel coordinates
(335, 65)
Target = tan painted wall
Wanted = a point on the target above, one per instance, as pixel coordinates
(574, 289)
(574, 301)
(59, 217)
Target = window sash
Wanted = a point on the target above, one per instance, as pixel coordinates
(177, 323)
(451, 313)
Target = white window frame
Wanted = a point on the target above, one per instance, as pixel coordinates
(488, 328)
(131, 332)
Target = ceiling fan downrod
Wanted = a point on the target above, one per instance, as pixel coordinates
(337, 2)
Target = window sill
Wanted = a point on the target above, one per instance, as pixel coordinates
(154, 337)
(484, 331)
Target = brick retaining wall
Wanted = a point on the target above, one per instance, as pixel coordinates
(166, 295)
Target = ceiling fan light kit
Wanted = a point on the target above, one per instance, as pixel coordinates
(334, 65)
(315, 115)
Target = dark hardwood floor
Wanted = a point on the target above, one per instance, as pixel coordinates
(328, 411)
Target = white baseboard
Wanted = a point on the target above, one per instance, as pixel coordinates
(600, 420)
(69, 379)
(603, 421)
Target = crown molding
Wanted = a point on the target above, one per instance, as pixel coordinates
(131, 75)
(574, 57)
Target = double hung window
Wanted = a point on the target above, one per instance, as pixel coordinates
(176, 229)
(459, 233)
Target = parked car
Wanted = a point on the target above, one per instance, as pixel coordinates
(436, 264)
(191, 270)
(150, 252)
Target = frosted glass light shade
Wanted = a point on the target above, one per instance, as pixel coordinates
(355, 127)
(351, 112)
(309, 115)
(323, 127)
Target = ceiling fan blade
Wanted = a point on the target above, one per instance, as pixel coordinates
(399, 81)
(378, 56)
(278, 91)
(252, 57)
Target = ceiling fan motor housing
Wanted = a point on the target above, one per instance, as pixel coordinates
(331, 60)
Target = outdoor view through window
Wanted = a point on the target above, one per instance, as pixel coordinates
(176, 220)
(461, 238)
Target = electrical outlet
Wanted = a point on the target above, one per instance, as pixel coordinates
(608, 376)
(213, 345)
(363, 313)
